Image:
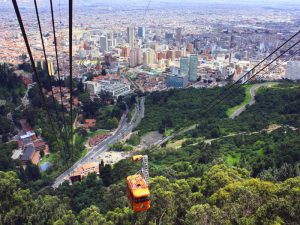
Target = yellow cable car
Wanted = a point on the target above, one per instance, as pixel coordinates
(137, 187)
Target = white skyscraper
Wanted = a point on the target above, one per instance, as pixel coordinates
(292, 70)
(149, 57)
(131, 37)
(135, 57)
(103, 44)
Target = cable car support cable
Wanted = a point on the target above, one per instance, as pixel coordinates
(58, 70)
(47, 65)
(16, 8)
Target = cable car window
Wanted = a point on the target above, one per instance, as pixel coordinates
(136, 200)
(144, 199)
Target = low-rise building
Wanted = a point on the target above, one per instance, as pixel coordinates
(84, 170)
(176, 81)
(30, 155)
(115, 88)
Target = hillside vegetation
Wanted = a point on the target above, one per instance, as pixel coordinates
(224, 172)
(175, 109)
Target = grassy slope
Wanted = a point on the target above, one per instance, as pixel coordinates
(244, 103)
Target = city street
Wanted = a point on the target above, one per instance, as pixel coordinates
(124, 129)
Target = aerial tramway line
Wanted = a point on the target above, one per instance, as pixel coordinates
(137, 184)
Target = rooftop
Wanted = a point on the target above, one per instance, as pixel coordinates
(28, 153)
(138, 185)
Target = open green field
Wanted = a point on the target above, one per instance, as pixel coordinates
(244, 103)
(233, 159)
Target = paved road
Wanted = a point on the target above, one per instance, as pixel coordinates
(124, 128)
(252, 101)
(236, 113)
(166, 139)
(25, 100)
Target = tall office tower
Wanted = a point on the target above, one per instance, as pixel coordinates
(41, 65)
(149, 58)
(51, 68)
(146, 58)
(103, 44)
(193, 68)
(133, 58)
(141, 32)
(125, 52)
(152, 57)
(139, 56)
(131, 37)
(190, 47)
(183, 52)
(178, 34)
(111, 41)
(184, 66)
(292, 70)
(197, 44)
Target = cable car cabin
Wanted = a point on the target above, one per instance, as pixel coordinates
(138, 193)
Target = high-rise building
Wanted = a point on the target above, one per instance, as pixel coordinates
(193, 68)
(184, 66)
(141, 32)
(135, 57)
(103, 44)
(149, 58)
(111, 41)
(125, 52)
(190, 48)
(139, 56)
(131, 37)
(183, 52)
(292, 70)
(41, 65)
(178, 34)
(51, 68)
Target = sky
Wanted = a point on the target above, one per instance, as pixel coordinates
(166, 3)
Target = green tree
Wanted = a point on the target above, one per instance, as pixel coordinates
(16, 204)
(91, 216)
(205, 214)
(48, 209)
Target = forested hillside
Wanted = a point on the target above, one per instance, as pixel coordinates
(241, 171)
(175, 109)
